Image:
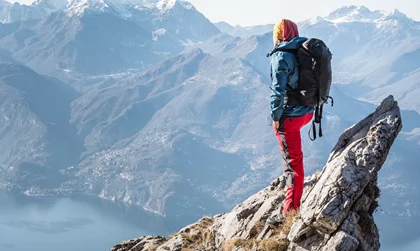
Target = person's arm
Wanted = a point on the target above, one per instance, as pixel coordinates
(279, 74)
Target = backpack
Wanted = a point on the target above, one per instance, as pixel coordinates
(315, 76)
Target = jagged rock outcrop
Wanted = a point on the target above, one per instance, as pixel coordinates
(336, 211)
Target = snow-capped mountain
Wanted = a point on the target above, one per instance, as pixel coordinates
(39, 9)
(78, 7)
(355, 14)
(10, 13)
(175, 18)
(102, 36)
(346, 14)
(91, 44)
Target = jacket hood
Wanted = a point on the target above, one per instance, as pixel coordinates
(293, 44)
(285, 30)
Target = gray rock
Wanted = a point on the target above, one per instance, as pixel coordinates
(341, 241)
(358, 155)
(353, 164)
(174, 244)
(298, 229)
(140, 244)
(336, 213)
(245, 218)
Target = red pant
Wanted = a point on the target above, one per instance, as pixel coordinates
(290, 142)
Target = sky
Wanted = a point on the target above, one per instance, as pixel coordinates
(253, 12)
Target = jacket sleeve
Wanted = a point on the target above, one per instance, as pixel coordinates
(279, 75)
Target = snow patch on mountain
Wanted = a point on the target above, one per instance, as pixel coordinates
(166, 4)
(78, 7)
(348, 14)
(159, 32)
(354, 14)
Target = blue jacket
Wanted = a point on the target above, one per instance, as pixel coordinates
(284, 71)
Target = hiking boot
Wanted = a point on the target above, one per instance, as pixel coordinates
(275, 220)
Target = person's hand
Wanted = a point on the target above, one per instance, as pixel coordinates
(276, 125)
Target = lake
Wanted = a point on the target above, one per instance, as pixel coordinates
(72, 224)
(398, 233)
(91, 224)
(410, 246)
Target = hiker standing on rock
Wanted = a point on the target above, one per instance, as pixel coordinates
(291, 109)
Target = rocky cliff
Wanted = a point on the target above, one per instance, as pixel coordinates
(336, 211)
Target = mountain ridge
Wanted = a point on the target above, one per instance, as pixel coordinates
(345, 14)
(102, 37)
(35, 134)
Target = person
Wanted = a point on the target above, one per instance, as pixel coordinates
(288, 119)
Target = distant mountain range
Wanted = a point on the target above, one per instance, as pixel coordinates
(149, 103)
(94, 37)
(244, 31)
